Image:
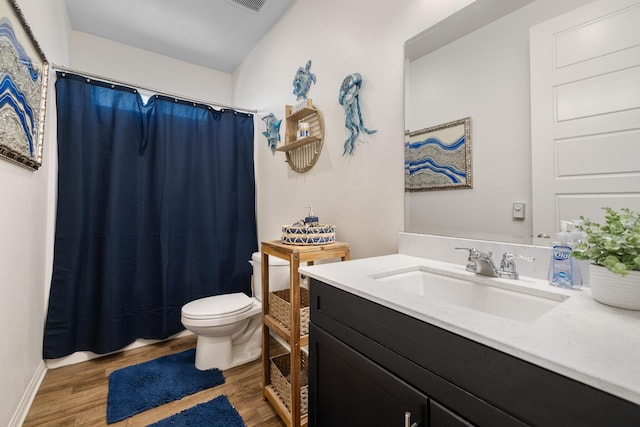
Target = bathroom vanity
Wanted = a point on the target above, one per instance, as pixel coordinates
(385, 355)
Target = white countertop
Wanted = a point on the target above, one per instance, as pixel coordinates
(579, 338)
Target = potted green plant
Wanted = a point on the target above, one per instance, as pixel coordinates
(614, 249)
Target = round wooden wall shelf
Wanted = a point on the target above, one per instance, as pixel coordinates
(302, 153)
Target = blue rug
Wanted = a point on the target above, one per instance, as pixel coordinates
(214, 413)
(137, 388)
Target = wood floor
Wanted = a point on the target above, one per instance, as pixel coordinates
(76, 395)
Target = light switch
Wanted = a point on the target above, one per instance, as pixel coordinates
(518, 210)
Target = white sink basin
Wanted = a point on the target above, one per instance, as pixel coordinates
(481, 293)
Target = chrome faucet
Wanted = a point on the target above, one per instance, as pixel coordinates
(482, 263)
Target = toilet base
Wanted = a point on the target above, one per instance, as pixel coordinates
(221, 353)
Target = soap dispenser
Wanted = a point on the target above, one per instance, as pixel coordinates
(561, 266)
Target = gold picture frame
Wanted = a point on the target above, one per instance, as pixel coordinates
(439, 157)
(24, 74)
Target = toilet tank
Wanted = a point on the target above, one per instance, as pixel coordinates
(278, 274)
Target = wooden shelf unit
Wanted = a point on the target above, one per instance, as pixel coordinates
(295, 255)
(303, 153)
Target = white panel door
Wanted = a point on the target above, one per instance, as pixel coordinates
(585, 114)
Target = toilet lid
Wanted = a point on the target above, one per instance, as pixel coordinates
(217, 306)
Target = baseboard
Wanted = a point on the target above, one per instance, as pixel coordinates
(29, 395)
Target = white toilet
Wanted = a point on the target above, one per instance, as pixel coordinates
(229, 326)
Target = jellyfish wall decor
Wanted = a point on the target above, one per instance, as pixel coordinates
(349, 99)
(273, 131)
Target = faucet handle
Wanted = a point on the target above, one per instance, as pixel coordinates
(508, 265)
(471, 250)
(473, 255)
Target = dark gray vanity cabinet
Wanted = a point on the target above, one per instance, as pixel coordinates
(358, 391)
(370, 365)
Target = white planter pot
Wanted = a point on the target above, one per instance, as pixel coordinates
(615, 290)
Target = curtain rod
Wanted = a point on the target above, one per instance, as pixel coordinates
(155, 91)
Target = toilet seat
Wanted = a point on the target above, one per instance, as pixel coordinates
(218, 306)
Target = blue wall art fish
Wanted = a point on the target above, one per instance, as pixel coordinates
(302, 81)
(349, 99)
(273, 131)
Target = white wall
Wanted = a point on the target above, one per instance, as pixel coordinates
(26, 237)
(128, 64)
(485, 76)
(363, 194)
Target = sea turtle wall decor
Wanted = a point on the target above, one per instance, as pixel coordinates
(302, 81)
(273, 131)
(349, 99)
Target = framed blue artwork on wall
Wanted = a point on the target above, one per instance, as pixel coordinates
(439, 157)
(24, 72)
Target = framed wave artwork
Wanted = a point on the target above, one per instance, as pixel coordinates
(24, 72)
(439, 157)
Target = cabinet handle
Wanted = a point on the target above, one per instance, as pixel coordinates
(407, 420)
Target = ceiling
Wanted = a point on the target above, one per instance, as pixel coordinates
(216, 34)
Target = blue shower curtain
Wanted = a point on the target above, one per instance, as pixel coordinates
(156, 207)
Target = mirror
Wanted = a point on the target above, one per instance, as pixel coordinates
(475, 64)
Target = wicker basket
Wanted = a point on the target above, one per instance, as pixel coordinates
(280, 308)
(280, 375)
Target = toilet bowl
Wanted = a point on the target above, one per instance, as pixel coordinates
(228, 326)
